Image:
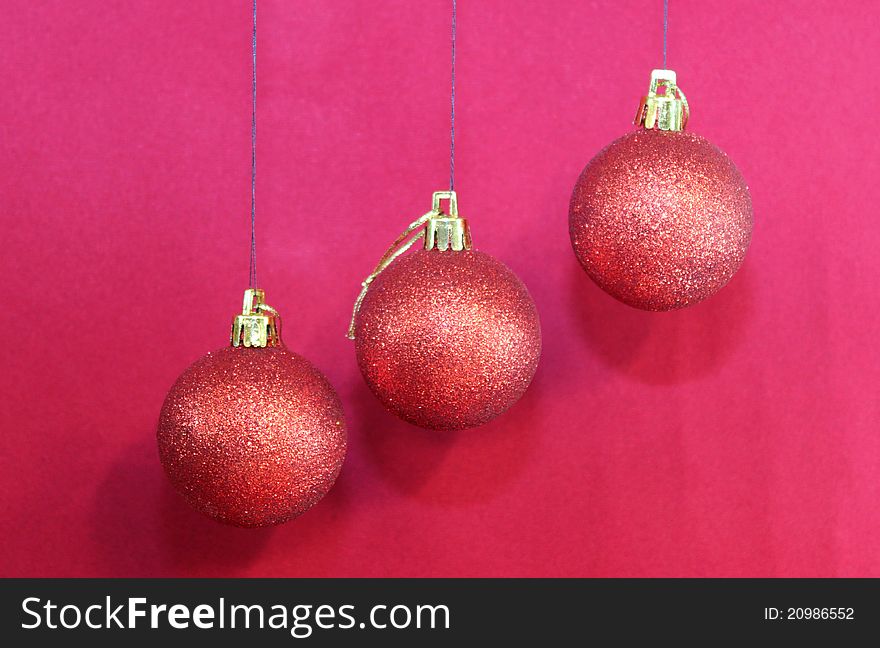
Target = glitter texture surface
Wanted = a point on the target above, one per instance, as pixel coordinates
(252, 437)
(448, 340)
(660, 220)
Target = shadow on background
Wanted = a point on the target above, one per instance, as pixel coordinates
(447, 468)
(143, 527)
(662, 348)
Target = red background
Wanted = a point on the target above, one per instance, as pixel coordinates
(738, 437)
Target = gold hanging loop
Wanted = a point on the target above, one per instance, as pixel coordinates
(397, 248)
(440, 230)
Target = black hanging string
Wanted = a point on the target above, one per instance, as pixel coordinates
(452, 111)
(252, 279)
(665, 29)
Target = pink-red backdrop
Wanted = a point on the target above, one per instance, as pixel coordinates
(738, 437)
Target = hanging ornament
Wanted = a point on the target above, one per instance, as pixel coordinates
(252, 434)
(446, 337)
(661, 219)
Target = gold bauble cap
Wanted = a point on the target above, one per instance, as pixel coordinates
(446, 230)
(665, 106)
(259, 325)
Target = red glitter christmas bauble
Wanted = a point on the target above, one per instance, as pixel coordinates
(447, 340)
(252, 436)
(660, 219)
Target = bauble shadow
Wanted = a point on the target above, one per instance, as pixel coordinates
(668, 347)
(145, 528)
(448, 469)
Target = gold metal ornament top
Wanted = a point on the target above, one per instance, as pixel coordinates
(259, 325)
(665, 106)
(446, 231)
(442, 230)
